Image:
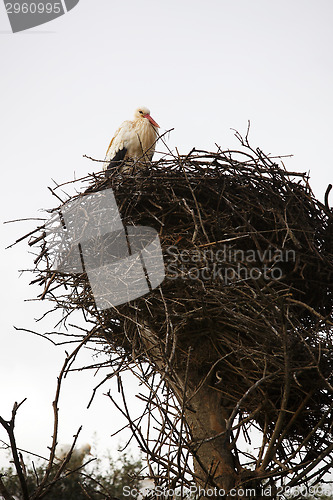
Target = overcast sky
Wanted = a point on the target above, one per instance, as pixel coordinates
(202, 67)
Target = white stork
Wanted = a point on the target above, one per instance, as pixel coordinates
(133, 139)
(77, 456)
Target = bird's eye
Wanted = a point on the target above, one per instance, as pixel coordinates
(141, 112)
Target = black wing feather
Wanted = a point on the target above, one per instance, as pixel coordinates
(116, 160)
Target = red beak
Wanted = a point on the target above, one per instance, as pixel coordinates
(151, 120)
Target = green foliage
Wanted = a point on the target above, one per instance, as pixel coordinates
(96, 484)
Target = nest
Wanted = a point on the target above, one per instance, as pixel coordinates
(246, 304)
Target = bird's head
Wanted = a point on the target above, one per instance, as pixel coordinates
(144, 112)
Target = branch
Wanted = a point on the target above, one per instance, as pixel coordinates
(43, 488)
(9, 427)
(328, 190)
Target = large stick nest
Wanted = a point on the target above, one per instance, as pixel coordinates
(248, 287)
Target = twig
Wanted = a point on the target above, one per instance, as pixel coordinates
(9, 427)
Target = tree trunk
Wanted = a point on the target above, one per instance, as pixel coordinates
(216, 467)
(213, 462)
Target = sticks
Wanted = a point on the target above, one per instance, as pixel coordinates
(9, 427)
(244, 313)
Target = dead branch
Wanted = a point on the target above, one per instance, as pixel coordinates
(9, 425)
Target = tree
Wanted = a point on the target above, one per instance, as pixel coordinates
(236, 341)
(97, 484)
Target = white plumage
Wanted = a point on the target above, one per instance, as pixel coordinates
(77, 457)
(133, 139)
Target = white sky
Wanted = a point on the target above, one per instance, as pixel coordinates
(202, 68)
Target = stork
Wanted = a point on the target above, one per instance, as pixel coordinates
(133, 139)
(77, 456)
